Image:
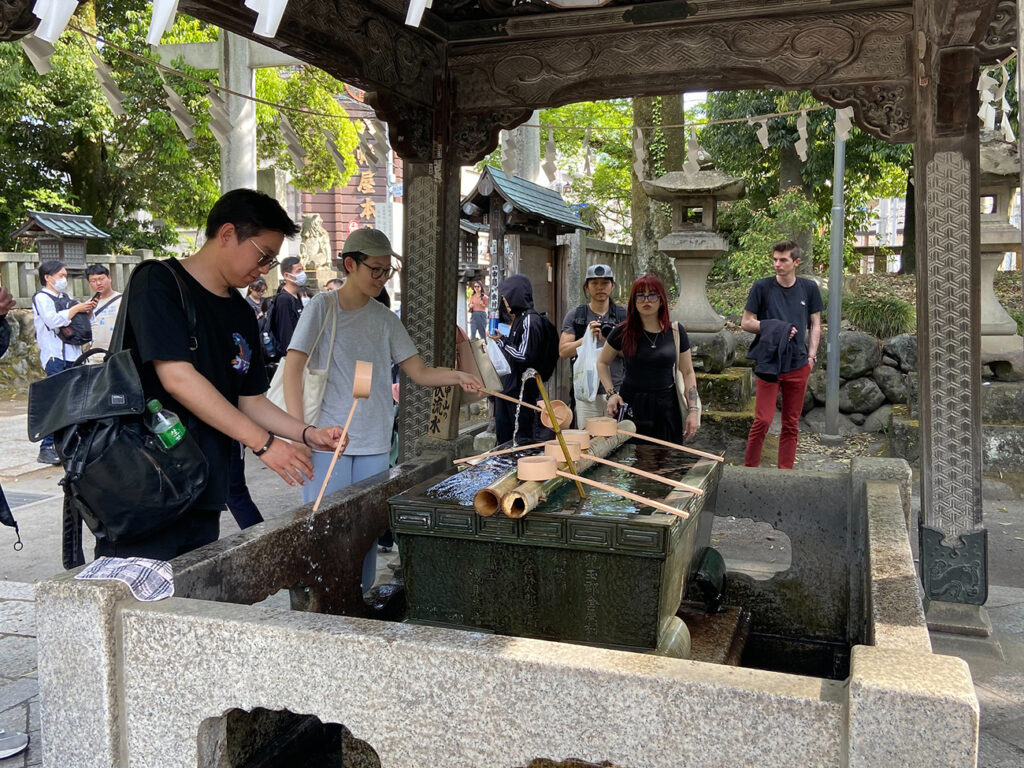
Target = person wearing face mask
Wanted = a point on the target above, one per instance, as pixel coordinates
(58, 336)
(287, 308)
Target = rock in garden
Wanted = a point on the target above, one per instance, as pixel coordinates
(890, 361)
(878, 421)
(714, 350)
(858, 418)
(743, 341)
(904, 349)
(858, 353)
(817, 384)
(815, 422)
(860, 396)
(892, 383)
(808, 401)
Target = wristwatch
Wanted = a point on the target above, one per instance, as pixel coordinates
(611, 392)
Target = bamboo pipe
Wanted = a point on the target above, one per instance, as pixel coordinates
(487, 500)
(603, 425)
(361, 380)
(502, 452)
(528, 495)
(650, 476)
(542, 468)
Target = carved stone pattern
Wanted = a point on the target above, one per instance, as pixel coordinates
(16, 19)
(884, 110)
(423, 218)
(410, 126)
(1002, 33)
(954, 505)
(475, 135)
(788, 52)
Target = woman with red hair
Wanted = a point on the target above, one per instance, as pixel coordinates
(647, 344)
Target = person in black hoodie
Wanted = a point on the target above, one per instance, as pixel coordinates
(523, 348)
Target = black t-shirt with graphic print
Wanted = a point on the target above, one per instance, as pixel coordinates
(229, 355)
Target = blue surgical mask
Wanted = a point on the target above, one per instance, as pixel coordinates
(299, 279)
(60, 284)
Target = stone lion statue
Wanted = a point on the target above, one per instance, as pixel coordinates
(315, 246)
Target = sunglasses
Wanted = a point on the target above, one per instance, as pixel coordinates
(648, 297)
(266, 259)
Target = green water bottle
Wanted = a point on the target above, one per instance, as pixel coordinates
(164, 424)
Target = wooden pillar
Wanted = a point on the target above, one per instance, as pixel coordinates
(953, 538)
(429, 284)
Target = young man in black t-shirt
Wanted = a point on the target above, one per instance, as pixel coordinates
(796, 301)
(287, 304)
(217, 389)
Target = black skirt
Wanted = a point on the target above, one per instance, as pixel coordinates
(655, 412)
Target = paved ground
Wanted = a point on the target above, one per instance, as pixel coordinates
(997, 664)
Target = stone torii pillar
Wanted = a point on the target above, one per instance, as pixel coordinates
(946, 163)
(236, 59)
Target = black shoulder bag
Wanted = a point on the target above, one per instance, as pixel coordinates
(118, 476)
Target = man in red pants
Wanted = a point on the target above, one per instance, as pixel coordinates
(784, 352)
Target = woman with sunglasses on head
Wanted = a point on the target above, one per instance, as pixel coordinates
(647, 345)
(366, 330)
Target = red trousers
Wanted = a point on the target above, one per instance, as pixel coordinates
(793, 385)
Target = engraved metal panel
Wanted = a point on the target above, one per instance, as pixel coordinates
(454, 522)
(543, 530)
(583, 532)
(497, 527)
(641, 539)
(411, 518)
(956, 574)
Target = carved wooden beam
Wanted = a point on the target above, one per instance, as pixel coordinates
(1001, 35)
(16, 19)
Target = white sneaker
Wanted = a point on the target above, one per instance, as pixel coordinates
(11, 743)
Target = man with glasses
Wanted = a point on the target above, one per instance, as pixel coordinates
(215, 385)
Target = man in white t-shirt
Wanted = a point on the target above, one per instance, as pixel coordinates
(108, 301)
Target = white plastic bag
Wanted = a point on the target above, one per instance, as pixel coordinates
(584, 371)
(498, 360)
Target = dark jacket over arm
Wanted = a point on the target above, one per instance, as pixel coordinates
(5, 335)
(769, 349)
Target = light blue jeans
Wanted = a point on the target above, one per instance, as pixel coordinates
(348, 470)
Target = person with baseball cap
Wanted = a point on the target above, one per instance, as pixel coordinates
(366, 330)
(598, 316)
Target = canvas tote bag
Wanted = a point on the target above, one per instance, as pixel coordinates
(314, 380)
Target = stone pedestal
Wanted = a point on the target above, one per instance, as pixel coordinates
(1002, 349)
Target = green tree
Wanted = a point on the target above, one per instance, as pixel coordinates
(873, 168)
(61, 147)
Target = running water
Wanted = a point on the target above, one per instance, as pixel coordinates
(528, 374)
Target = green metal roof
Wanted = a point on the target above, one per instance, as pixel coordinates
(60, 225)
(532, 199)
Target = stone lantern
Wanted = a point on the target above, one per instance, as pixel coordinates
(1002, 348)
(694, 244)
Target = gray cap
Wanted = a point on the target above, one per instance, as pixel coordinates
(370, 242)
(600, 271)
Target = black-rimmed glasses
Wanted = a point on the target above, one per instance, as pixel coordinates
(648, 297)
(266, 260)
(379, 272)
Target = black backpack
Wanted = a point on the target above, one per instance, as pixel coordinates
(79, 332)
(548, 358)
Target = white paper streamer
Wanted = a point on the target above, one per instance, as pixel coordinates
(844, 122)
(549, 166)
(220, 120)
(587, 170)
(180, 114)
(691, 167)
(53, 16)
(762, 130)
(164, 13)
(108, 85)
(639, 154)
(38, 53)
(291, 141)
(269, 13)
(801, 129)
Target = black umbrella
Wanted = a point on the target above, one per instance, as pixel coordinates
(8, 519)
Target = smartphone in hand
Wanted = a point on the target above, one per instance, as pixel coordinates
(95, 296)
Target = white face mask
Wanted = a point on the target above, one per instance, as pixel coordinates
(305, 299)
(60, 284)
(299, 279)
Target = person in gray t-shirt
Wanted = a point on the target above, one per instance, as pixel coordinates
(367, 331)
(600, 312)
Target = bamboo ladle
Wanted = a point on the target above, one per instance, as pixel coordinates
(542, 468)
(606, 426)
(502, 452)
(554, 450)
(561, 409)
(361, 380)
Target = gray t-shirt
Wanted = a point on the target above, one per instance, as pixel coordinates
(617, 369)
(372, 333)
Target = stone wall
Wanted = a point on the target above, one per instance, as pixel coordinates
(21, 363)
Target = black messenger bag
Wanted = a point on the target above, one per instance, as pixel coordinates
(119, 477)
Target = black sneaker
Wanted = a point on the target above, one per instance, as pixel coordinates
(48, 456)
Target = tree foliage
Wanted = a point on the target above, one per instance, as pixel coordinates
(873, 168)
(62, 149)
